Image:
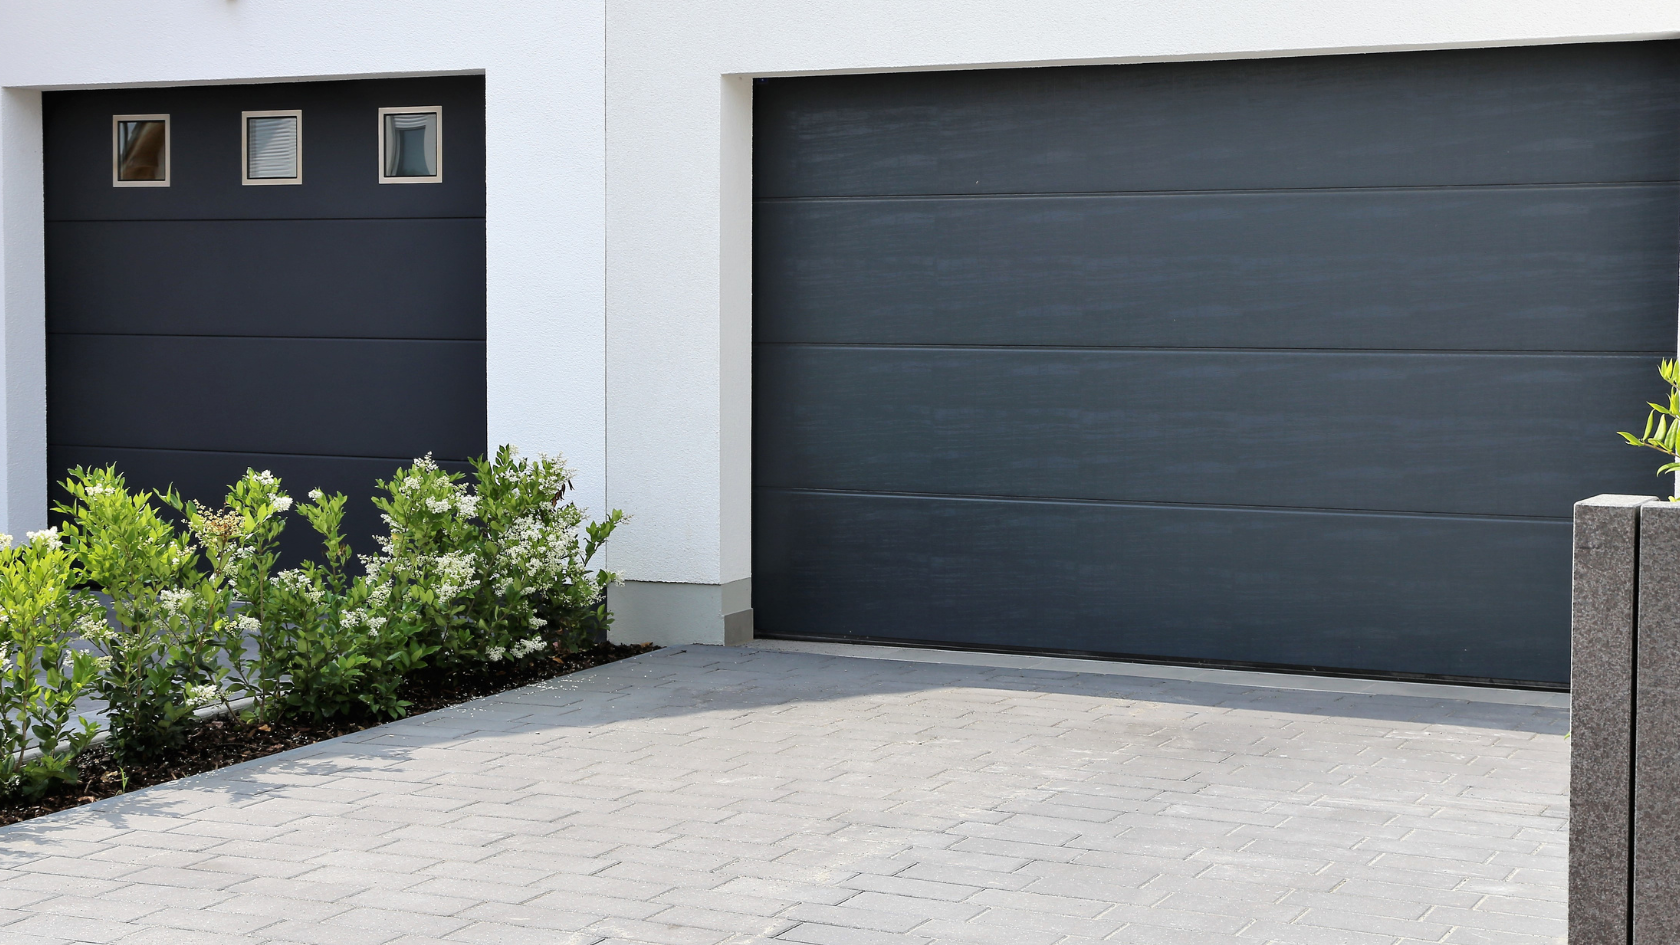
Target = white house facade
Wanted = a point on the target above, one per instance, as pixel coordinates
(633, 302)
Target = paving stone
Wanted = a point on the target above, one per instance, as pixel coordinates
(712, 796)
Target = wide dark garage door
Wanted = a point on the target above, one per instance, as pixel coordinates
(1297, 362)
(326, 325)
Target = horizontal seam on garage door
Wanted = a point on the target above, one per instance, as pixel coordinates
(1366, 188)
(1429, 352)
(1155, 504)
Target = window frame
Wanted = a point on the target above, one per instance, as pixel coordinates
(116, 151)
(380, 156)
(245, 177)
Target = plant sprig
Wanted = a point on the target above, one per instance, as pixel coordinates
(1662, 425)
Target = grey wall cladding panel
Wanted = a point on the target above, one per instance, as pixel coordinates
(340, 152)
(299, 278)
(1606, 112)
(1528, 268)
(319, 397)
(205, 477)
(1346, 430)
(1327, 590)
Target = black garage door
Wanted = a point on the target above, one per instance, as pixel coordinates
(1292, 362)
(327, 330)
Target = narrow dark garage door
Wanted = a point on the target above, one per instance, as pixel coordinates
(327, 330)
(1294, 362)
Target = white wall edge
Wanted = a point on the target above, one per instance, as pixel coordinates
(23, 308)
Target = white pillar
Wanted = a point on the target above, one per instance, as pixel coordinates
(23, 305)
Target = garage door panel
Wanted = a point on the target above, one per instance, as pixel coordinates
(1293, 361)
(1372, 592)
(300, 278)
(320, 397)
(1529, 268)
(1605, 112)
(205, 476)
(340, 152)
(1345, 430)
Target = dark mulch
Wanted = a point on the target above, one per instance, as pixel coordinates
(222, 742)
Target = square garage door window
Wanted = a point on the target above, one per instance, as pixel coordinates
(273, 147)
(140, 150)
(411, 145)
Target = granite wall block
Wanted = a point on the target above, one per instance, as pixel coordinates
(1605, 601)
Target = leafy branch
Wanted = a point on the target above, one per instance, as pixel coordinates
(1662, 425)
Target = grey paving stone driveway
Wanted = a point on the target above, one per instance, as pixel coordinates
(705, 795)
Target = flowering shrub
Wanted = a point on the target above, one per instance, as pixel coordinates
(427, 562)
(41, 677)
(238, 550)
(344, 652)
(535, 592)
(466, 574)
(496, 570)
(164, 643)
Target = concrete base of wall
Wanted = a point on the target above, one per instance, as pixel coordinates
(668, 614)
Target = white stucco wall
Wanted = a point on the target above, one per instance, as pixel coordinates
(545, 127)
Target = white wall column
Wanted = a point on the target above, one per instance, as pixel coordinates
(23, 308)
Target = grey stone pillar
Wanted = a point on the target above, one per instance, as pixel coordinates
(1656, 746)
(1605, 600)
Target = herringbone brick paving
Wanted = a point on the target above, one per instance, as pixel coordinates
(704, 795)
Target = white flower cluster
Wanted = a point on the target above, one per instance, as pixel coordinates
(545, 475)
(283, 503)
(48, 537)
(520, 650)
(203, 695)
(316, 495)
(5, 541)
(174, 600)
(94, 629)
(96, 490)
(455, 573)
(265, 478)
(534, 554)
(359, 619)
(297, 582)
(387, 543)
(457, 500)
(247, 624)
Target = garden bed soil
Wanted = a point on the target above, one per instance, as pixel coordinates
(217, 743)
